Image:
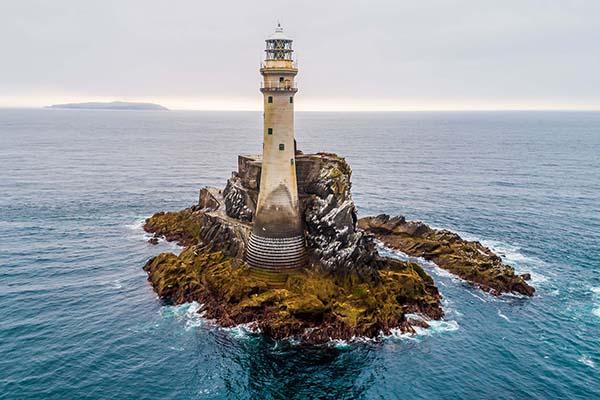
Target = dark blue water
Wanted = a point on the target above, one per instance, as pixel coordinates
(78, 319)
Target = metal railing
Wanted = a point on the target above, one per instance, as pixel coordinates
(286, 85)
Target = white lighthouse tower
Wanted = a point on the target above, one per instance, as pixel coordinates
(276, 244)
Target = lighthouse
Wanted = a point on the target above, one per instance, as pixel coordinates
(276, 246)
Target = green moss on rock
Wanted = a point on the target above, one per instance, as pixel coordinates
(469, 260)
(181, 226)
(311, 305)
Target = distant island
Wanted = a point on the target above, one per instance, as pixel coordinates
(114, 105)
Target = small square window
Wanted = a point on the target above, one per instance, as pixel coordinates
(270, 131)
(270, 99)
(281, 146)
(291, 99)
(281, 79)
(291, 161)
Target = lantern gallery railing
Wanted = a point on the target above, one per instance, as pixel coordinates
(284, 86)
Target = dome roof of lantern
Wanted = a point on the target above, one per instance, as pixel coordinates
(278, 34)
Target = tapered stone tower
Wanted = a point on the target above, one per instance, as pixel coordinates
(276, 245)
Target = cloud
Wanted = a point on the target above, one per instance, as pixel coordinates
(389, 54)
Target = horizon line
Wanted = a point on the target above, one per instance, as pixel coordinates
(333, 110)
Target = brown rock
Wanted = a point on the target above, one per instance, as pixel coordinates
(469, 260)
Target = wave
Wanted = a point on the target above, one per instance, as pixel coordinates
(586, 360)
(137, 228)
(512, 255)
(596, 298)
(137, 225)
(477, 297)
(139, 233)
(520, 262)
(242, 331)
(450, 308)
(503, 316)
(435, 327)
(186, 313)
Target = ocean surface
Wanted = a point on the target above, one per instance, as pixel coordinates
(78, 319)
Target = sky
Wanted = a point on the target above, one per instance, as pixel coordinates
(353, 55)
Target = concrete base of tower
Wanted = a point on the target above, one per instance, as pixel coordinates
(275, 258)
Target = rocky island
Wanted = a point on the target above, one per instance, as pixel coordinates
(281, 248)
(346, 290)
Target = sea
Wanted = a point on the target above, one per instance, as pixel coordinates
(79, 320)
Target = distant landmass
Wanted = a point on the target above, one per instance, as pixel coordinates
(114, 105)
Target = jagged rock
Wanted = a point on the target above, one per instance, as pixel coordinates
(220, 235)
(332, 237)
(207, 200)
(237, 200)
(470, 261)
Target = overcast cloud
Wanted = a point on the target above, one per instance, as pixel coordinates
(352, 54)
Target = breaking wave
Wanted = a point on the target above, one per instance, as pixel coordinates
(186, 313)
(138, 233)
(435, 327)
(586, 360)
(596, 295)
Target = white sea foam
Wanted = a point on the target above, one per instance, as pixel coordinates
(137, 228)
(137, 225)
(512, 255)
(435, 327)
(186, 313)
(521, 263)
(139, 234)
(585, 359)
(440, 326)
(477, 297)
(503, 316)
(340, 344)
(449, 308)
(596, 298)
(242, 331)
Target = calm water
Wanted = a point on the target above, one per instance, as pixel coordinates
(78, 319)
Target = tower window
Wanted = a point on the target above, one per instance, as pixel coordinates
(281, 79)
(291, 99)
(281, 146)
(270, 99)
(291, 161)
(270, 131)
